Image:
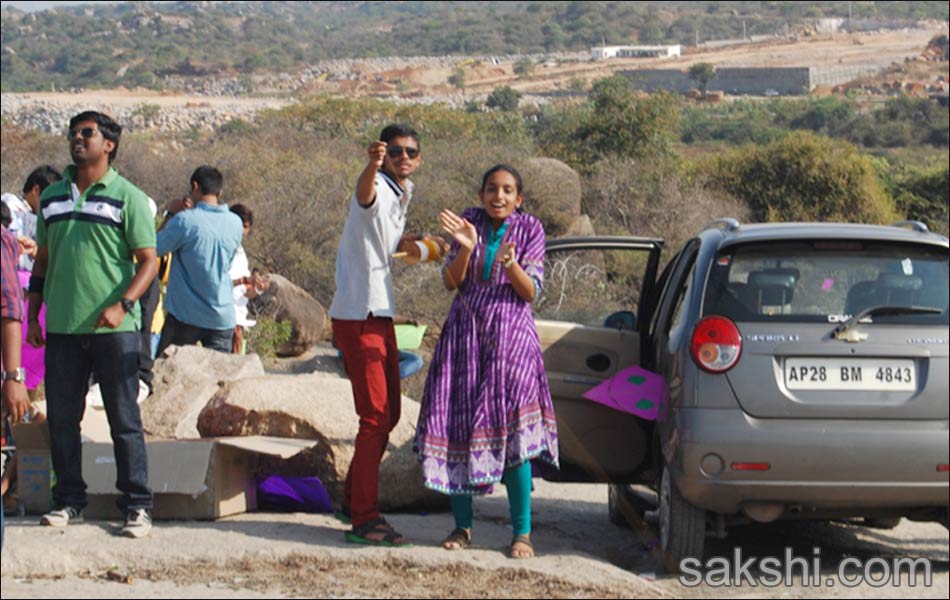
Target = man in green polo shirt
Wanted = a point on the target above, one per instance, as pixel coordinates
(95, 258)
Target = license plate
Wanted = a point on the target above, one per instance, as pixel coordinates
(850, 374)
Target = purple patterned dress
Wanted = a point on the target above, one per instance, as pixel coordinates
(487, 405)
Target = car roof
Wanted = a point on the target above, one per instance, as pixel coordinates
(734, 233)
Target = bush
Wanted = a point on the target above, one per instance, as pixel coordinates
(268, 335)
(503, 98)
(805, 177)
(524, 67)
(921, 193)
(901, 122)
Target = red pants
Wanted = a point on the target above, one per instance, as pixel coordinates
(371, 360)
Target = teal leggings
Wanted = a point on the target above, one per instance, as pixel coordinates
(518, 482)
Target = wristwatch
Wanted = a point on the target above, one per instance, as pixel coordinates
(127, 305)
(18, 375)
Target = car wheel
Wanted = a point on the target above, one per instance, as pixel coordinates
(682, 526)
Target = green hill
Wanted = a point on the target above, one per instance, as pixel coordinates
(138, 43)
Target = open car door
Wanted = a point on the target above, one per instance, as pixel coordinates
(589, 318)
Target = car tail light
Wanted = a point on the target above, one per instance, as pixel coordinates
(751, 466)
(716, 344)
(943, 468)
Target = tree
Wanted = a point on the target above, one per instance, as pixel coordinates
(503, 98)
(614, 122)
(702, 73)
(524, 67)
(457, 78)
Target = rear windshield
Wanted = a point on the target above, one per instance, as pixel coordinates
(827, 281)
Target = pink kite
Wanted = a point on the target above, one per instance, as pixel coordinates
(633, 390)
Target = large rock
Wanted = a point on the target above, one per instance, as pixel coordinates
(581, 227)
(284, 301)
(319, 406)
(185, 378)
(552, 193)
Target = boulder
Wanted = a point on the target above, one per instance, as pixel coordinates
(581, 227)
(185, 378)
(284, 301)
(319, 406)
(552, 193)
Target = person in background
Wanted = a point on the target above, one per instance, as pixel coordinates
(24, 210)
(199, 300)
(16, 401)
(247, 285)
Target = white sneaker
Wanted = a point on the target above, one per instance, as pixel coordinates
(137, 524)
(62, 517)
(143, 391)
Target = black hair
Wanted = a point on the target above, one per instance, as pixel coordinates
(391, 132)
(111, 130)
(246, 214)
(519, 184)
(6, 217)
(41, 176)
(210, 180)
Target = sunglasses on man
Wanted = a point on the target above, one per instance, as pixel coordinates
(396, 151)
(86, 133)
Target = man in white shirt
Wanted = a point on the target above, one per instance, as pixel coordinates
(362, 312)
(23, 211)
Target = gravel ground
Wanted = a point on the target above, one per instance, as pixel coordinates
(580, 555)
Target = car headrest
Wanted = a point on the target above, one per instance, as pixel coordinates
(786, 278)
(899, 281)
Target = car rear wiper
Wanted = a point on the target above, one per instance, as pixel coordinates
(845, 332)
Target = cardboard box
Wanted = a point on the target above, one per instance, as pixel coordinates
(192, 479)
(34, 466)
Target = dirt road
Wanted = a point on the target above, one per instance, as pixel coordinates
(580, 555)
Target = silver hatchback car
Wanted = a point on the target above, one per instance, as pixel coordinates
(807, 367)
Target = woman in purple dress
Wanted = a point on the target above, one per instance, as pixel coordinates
(487, 411)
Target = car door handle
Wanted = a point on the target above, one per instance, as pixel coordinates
(581, 380)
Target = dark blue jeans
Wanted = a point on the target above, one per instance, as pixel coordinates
(175, 332)
(114, 359)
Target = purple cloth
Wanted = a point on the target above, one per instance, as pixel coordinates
(33, 359)
(293, 494)
(487, 405)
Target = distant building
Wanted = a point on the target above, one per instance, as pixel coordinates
(829, 25)
(602, 52)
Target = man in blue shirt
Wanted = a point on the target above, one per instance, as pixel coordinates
(199, 300)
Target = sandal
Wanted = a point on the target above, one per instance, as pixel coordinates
(518, 543)
(459, 539)
(343, 515)
(390, 538)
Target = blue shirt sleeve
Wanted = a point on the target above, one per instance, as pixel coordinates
(171, 237)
